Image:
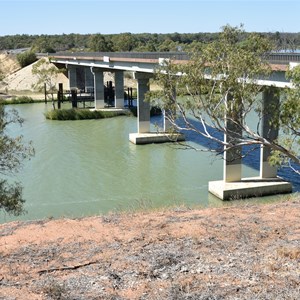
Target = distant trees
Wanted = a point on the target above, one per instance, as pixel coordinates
(98, 43)
(124, 42)
(43, 44)
(13, 151)
(132, 42)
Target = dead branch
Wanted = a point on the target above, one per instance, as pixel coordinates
(67, 267)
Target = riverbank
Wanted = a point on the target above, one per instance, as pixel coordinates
(242, 252)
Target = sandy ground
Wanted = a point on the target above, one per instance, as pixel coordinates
(243, 252)
(23, 80)
(8, 63)
(19, 82)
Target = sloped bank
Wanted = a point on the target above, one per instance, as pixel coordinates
(242, 252)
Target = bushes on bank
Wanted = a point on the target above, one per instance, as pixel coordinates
(81, 114)
(86, 114)
(18, 100)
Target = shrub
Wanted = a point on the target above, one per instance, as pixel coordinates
(18, 100)
(26, 58)
(81, 114)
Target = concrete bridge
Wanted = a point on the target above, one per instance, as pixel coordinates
(143, 66)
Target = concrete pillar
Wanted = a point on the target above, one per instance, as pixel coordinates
(72, 74)
(167, 124)
(170, 112)
(270, 104)
(98, 88)
(89, 80)
(143, 107)
(232, 158)
(119, 89)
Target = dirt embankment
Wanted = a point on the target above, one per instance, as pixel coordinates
(217, 253)
(8, 63)
(19, 81)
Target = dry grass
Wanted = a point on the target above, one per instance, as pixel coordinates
(248, 252)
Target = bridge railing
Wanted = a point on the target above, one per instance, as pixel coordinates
(275, 58)
(283, 58)
(141, 55)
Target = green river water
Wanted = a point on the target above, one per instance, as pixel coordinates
(89, 167)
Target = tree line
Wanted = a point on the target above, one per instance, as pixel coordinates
(142, 42)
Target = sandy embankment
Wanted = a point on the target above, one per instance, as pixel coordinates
(20, 82)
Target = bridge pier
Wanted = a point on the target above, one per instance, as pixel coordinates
(98, 88)
(89, 80)
(144, 136)
(72, 74)
(270, 103)
(143, 107)
(267, 183)
(170, 113)
(232, 170)
(119, 89)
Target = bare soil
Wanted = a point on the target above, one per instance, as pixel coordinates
(243, 252)
(8, 63)
(20, 81)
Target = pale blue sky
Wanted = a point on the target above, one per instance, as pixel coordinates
(164, 16)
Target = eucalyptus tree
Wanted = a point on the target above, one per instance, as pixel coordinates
(289, 122)
(46, 74)
(13, 151)
(216, 90)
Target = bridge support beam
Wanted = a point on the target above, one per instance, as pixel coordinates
(232, 170)
(270, 104)
(98, 88)
(144, 136)
(167, 124)
(89, 80)
(72, 74)
(143, 107)
(233, 186)
(119, 89)
(170, 113)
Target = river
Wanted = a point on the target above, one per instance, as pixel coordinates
(89, 167)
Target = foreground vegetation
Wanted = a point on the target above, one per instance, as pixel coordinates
(13, 152)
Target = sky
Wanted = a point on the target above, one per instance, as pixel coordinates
(143, 16)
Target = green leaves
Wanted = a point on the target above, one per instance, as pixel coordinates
(11, 198)
(12, 153)
(26, 58)
(46, 74)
